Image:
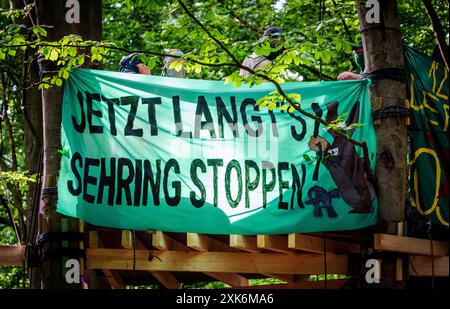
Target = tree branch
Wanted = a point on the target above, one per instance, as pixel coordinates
(363, 145)
(438, 30)
(12, 223)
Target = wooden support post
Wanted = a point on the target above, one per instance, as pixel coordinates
(244, 243)
(276, 243)
(315, 244)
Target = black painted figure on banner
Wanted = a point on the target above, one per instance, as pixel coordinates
(133, 64)
(275, 37)
(345, 165)
(321, 198)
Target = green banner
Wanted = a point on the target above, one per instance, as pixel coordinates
(429, 159)
(156, 153)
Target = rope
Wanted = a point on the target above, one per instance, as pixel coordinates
(325, 258)
(390, 111)
(383, 27)
(31, 226)
(133, 233)
(431, 253)
(387, 73)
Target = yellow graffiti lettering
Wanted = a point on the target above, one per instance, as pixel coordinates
(438, 93)
(416, 180)
(433, 69)
(439, 216)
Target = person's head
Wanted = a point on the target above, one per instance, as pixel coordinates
(133, 64)
(358, 55)
(168, 60)
(275, 37)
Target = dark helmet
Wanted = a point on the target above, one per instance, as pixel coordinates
(128, 64)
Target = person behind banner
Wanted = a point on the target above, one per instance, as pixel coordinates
(275, 37)
(133, 64)
(167, 71)
(358, 57)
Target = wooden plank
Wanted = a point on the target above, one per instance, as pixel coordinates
(200, 242)
(12, 255)
(244, 243)
(275, 243)
(113, 276)
(289, 278)
(233, 280)
(127, 239)
(399, 261)
(167, 279)
(416, 246)
(420, 266)
(114, 279)
(162, 241)
(315, 244)
(331, 284)
(93, 239)
(262, 263)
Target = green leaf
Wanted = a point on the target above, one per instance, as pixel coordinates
(229, 79)
(284, 107)
(58, 82)
(291, 109)
(53, 55)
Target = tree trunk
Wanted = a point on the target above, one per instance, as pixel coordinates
(53, 13)
(383, 49)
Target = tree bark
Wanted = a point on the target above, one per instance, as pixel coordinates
(383, 49)
(438, 30)
(53, 13)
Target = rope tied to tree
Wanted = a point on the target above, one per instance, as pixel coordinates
(386, 73)
(396, 110)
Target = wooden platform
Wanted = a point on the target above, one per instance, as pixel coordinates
(171, 259)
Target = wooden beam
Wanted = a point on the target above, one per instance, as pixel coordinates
(244, 243)
(113, 276)
(289, 278)
(331, 284)
(416, 246)
(93, 239)
(114, 279)
(420, 266)
(167, 279)
(275, 243)
(127, 239)
(315, 244)
(162, 241)
(232, 279)
(217, 262)
(12, 255)
(200, 242)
